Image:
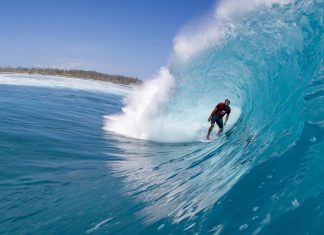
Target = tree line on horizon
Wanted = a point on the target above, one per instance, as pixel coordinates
(83, 74)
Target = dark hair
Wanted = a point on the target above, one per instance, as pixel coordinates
(227, 100)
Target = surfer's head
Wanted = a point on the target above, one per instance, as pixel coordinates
(227, 102)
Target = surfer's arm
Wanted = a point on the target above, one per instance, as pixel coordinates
(226, 118)
(212, 114)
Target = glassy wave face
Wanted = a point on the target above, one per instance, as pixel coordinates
(144, 170)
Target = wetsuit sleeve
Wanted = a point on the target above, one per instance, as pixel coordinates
(229, 110)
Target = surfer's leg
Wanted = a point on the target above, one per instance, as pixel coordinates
(209, 131)
(212, 123)
(219, 122)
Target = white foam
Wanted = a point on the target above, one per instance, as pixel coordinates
(143, 106)
(243, 227)
(98, 225)
(295, 203)
(63, 82)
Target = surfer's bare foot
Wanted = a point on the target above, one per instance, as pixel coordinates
(208, 138)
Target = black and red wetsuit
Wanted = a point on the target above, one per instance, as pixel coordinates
(222, 109)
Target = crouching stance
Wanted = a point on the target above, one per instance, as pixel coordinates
(217, 116)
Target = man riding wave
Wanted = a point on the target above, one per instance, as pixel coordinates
(217, 116)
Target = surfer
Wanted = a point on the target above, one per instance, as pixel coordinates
(217, 116)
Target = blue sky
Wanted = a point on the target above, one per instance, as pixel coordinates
(127, 37)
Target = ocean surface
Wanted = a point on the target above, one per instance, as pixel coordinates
(88, 157)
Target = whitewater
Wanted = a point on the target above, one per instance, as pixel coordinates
(85, 157)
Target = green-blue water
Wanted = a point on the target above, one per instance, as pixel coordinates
(65, 170)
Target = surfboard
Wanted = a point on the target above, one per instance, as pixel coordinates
(206, 141)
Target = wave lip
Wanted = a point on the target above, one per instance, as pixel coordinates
(215, 28)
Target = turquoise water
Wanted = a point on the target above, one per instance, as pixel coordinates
(65, 169)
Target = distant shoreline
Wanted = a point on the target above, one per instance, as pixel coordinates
(82, 74)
